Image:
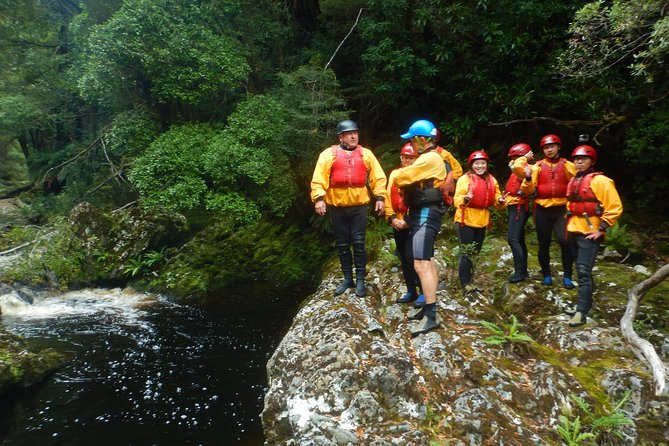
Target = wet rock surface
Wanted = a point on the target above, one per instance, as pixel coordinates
(348, 371)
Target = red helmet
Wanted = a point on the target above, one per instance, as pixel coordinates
(588, 151)
(407, 150)
(519, 149)
(550, 139)
(477, 155)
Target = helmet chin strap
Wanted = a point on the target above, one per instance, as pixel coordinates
(423, 141)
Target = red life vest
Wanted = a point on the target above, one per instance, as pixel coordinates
(348, 169)
(513, 188)
(483, 191)
(581, 197)
(552, 180)
(397, 201)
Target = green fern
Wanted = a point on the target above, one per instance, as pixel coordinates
(512, 335)
(570, 431)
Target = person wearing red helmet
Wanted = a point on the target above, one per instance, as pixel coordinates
(593, 206)
(396, 212)
(548, 181)
(419, 184)
(475, 193)
(517, 204)
(339, 183)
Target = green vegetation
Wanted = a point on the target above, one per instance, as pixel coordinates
(594, 429)
(510, 335)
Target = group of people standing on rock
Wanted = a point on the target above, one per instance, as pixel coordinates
(570, 200)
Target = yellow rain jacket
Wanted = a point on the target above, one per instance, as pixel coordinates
(428, 166)
(607, 195)
(474, 217)
(350, 196)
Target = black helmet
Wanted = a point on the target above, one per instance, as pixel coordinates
(346, 126)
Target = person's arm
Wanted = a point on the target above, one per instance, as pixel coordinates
(461, 190)
(500, 200)
(605, 190)
(320, 181)
(424, 168)
(529, 184)
(377, 179)
(456, 168)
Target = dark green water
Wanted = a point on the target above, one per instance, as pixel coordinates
(144, 371)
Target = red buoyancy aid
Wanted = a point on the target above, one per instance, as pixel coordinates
(483, 191)
(397, 200)
(552, 181)
(513, 188)
(348, 169)
(581, 197)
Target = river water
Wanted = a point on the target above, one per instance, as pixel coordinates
(142, 370)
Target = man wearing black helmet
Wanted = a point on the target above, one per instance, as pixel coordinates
(339, 183)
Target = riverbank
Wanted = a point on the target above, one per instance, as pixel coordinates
(348, 371)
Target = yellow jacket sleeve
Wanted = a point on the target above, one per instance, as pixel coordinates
(455, 166)
(605, 191)
(388, 204)
(320, 180)
(428, 166)
(375, 174)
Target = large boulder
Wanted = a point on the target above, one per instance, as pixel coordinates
(348, 371)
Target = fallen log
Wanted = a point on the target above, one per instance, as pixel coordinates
(643, 349)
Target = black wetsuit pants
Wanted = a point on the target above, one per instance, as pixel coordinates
(549, 221)
(585, 253)
(350, 224)
(518, 217)
(466, 236)
(405, 253)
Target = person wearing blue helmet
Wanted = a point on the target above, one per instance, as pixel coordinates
(420, 184)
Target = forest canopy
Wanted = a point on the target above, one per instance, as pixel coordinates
(219, 107)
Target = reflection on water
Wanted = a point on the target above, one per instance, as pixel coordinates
(142, 371)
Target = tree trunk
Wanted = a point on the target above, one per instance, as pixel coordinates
(643, 349)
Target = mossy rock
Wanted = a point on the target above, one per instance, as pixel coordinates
(22, 367)
(218, 258)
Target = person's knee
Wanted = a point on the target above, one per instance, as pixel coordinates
(421, 266)
(584, 271)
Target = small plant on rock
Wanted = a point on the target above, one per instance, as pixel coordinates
(511, 335)
(599, 430)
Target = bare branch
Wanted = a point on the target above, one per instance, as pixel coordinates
(345, 37)
(545, 118)
(16, 248)
(78, 155)
(643, 349)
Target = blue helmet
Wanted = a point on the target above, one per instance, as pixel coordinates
(421, 127)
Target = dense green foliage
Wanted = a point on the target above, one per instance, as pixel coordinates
(218, 108)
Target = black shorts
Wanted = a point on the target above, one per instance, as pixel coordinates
(425, 224)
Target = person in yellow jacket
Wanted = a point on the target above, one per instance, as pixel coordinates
(339, 183)
(475, 193)
(594, 205)
(419, 184)
(396, 214)
(548, 182)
